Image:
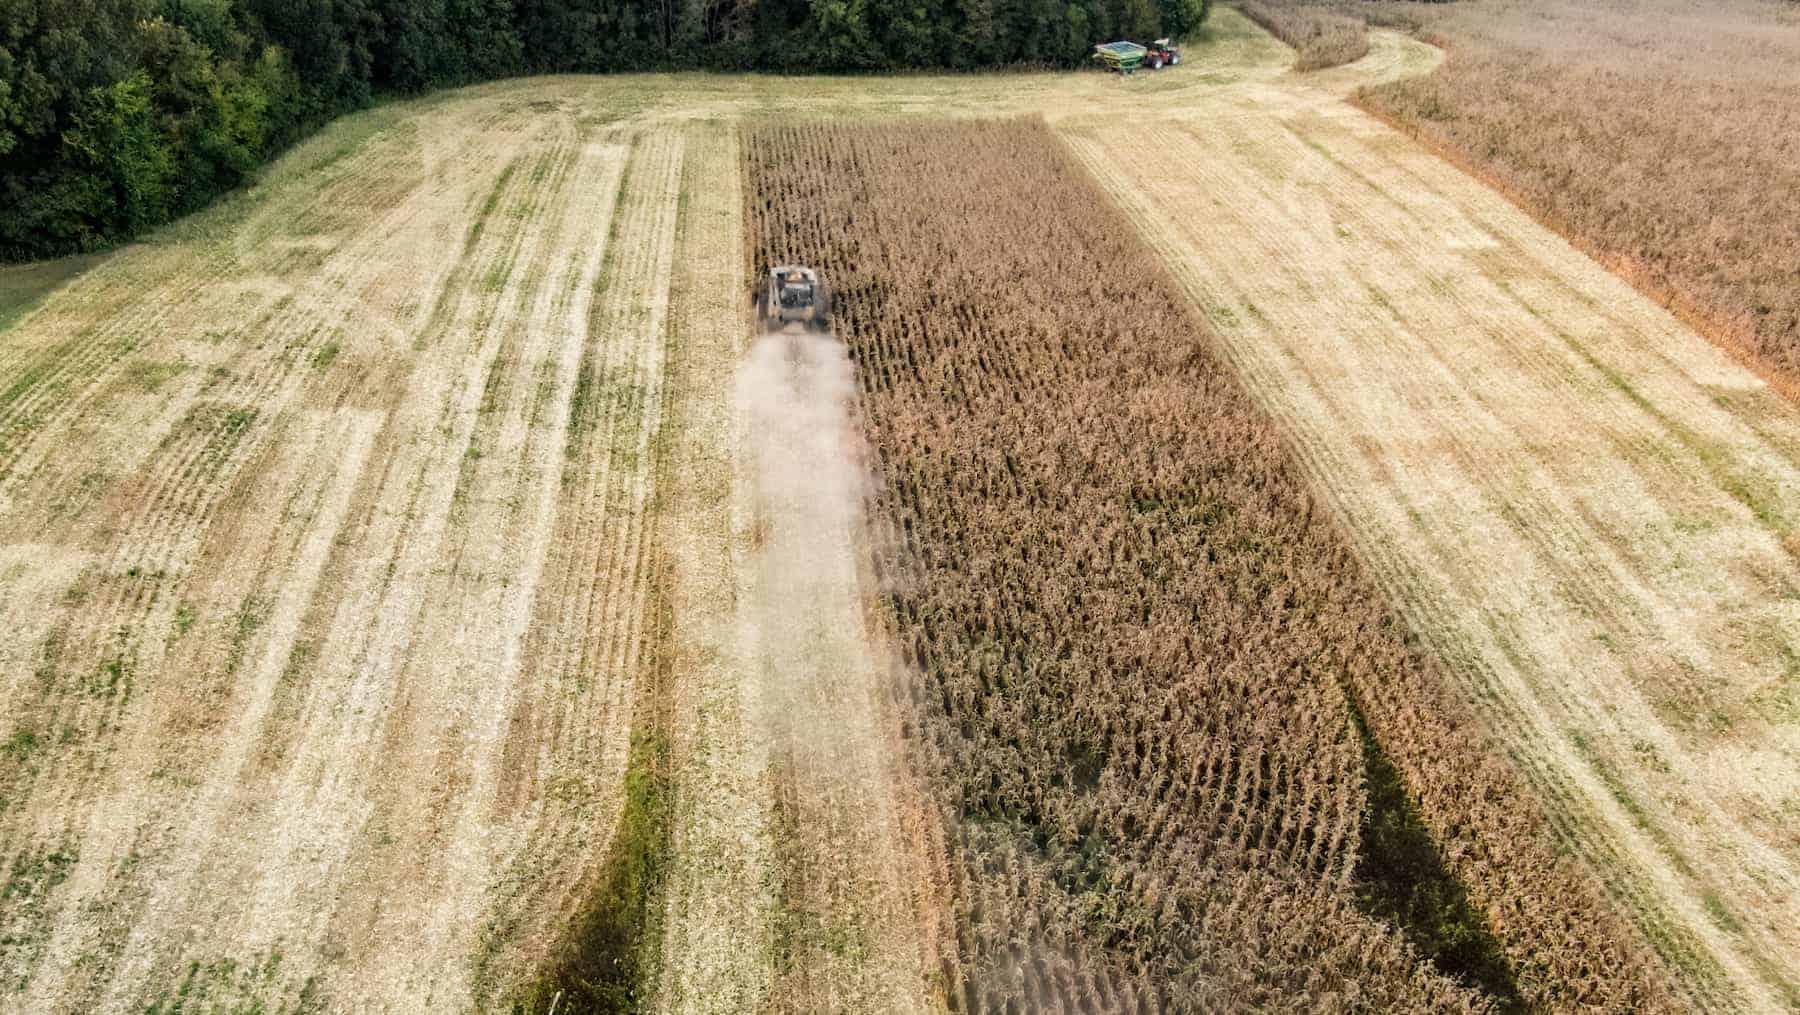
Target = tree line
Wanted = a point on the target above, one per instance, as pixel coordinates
(117, 115)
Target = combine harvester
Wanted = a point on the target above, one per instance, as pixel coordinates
(1126, 57)
(794, 295)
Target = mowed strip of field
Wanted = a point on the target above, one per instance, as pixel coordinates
(793, 882)
(1587, 510)
(325, 566)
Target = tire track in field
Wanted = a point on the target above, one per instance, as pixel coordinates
(565, 753)
(183, 296)
(153, 523)
(1524, 447)
(719, 905)
(440, 824)
(352, 699)
(164, 507)
(815, 687)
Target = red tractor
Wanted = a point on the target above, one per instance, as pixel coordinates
(1161, 52)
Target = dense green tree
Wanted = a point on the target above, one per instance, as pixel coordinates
(115, 137)
(65, 66)
(1183, 17)
(118, 114)
(211, 23)
(425, 43)
(331, 44)
(580, 35)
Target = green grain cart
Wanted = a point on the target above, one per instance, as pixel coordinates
(1123, 57)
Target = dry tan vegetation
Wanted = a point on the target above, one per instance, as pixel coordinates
(1321, 37)
(23, 286)
(1132, 631)
(325, 571)
(344, 530)
(1662, 137)
(326, 556)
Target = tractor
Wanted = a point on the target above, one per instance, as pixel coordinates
(1161, 52)
(794, 294)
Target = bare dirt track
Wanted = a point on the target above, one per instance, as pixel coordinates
(336, 523)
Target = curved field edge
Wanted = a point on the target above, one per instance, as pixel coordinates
(1688, 101)
(24, 286)
(945, 360)
(1724, 329)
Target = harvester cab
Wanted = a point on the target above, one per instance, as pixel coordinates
(795, 294)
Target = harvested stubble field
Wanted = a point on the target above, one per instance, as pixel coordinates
(393, 561)
(327, 570)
